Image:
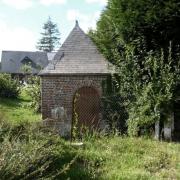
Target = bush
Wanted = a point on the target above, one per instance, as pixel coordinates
(8, 86)
(33, 90)
(148, 86)
(155, 96)
(114, 113)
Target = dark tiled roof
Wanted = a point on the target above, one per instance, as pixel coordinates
(77, 55)
(12, 61)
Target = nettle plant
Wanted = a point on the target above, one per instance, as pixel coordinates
(149, 87)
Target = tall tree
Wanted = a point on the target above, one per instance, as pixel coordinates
(147, 24)
(141, 37)
(50, 37)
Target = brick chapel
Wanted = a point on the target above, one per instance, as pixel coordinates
(72, 84)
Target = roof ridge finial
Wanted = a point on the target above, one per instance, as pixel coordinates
(77, 23)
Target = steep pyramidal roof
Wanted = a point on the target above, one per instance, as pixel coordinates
(77, 55)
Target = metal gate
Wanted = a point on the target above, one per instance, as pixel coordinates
(87, 108)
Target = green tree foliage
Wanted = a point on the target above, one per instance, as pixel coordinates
(32, 88)
(151, 90)
(34, 91)
(26, 69)
(148, 92)
(50, 37)
(148, 24)
(8, 86)
(135, 36)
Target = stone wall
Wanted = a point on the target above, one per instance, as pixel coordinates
(59, 91)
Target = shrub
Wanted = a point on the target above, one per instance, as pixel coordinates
(114, 113)
(154, 96)
(148, 85)
(33, 90)
(8, 86)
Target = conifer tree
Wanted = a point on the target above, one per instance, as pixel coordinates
(50, 37)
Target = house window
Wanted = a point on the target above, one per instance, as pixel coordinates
(28, 61)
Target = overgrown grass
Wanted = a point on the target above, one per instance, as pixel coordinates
(17, 110)
(27, 151)
(134, 158)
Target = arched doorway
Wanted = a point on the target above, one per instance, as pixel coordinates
(86, 109)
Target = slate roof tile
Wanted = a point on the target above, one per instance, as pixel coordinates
(12, 61)
(78, 55)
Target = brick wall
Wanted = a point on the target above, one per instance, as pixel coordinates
(59, 91)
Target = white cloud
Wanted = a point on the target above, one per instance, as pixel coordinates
(102, 2)
(50, 2)
(18, 4)
(86, 21)
(17, 38)
(24, 4)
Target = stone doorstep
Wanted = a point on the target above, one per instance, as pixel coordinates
(77, 144)
(53, 120)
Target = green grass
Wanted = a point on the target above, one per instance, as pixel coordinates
(17, 110)
(46, 156)
(43, 155)
(134, 158)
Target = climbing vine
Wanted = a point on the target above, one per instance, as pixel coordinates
(75, 130)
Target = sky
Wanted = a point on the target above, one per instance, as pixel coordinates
(21, 21)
